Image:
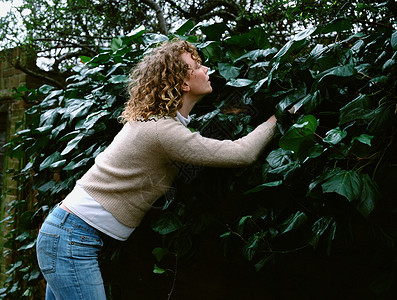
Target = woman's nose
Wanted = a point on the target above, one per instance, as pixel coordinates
(205, 69)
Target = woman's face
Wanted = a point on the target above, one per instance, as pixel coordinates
(196, 83)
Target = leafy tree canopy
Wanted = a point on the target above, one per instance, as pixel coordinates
(61, 31)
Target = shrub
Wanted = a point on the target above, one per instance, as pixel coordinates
(327, 182)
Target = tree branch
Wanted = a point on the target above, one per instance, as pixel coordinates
(159, 14)
(228, 10)
(67, 56)
(68, 43)
(173, 4)
(209, 7)
(35, 74)
(374, 23)
(224, 14)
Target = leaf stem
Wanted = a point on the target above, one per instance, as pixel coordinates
(236, 233)
(174, 280)
(383, 154)
(287, 251)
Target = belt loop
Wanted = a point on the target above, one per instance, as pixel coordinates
(64, 218)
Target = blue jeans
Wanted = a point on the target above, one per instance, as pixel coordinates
(67, 252)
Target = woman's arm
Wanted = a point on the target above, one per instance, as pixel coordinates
(180, 144)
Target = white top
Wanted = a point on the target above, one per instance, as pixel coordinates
(80, 203)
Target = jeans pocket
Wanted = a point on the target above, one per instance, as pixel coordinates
(47, 244)
(86, 246)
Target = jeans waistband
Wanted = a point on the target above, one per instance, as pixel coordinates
(64, 218)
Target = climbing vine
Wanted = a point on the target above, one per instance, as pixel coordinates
(326, 184)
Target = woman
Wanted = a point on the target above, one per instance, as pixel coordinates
(136, 169)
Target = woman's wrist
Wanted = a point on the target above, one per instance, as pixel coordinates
(272, 119)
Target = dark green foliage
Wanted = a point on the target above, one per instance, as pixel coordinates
(326, 184)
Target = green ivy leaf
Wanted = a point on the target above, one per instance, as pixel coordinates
(27, 246)
(226, 234)
(84, 59)
(58, 164)
(292, 97)
(357, 109)
(23, 236)
(323, 176)
(46, 186)
(233, 45)
(69, 135)
(14, 266)
(239, 82)
(255, 54)
(263, 186)
(259, 84)
(137, 33)
(72, 144)
(58, 129)
(115, 67)
(158, 270)
(55, 157)
(335, 136)
(284, 170)
(228, 71)
(393, 40)
(215, 31)
(388, 64)
(260, 264)
(285, 51)
(101, 58)
(337, 25)
(116, 43)
(379, 79)
(185, 27)
(154, 38)
(49, 117)
(300, 134)
(167, 224)
(159, 253)
(293, 222)
(243, 219)
(312, 151)
(34, 275)
(383, 117)
(369, 195)
(251, 246)
(81, 111)
(318, 229)
(211, 50)
(345, 183)
(336, 72)
(43, 129)
(311, 101)
(45, 89)
(295, 44)
(278, 157)
(118, 79)
(364, 138)
(91, 120)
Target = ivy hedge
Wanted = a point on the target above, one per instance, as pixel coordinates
(326, 186)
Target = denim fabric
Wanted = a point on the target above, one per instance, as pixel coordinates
(67, 252)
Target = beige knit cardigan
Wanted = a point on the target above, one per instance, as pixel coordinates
(139, 165)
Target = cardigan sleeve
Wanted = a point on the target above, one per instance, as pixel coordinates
(180, 144)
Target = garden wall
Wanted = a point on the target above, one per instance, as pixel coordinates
(11, 113)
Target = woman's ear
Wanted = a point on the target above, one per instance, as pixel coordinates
(185, 87)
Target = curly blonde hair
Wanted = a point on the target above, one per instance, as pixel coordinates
(155, 88)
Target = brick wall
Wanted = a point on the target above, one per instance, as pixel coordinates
(11, 112)
(12, 78)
